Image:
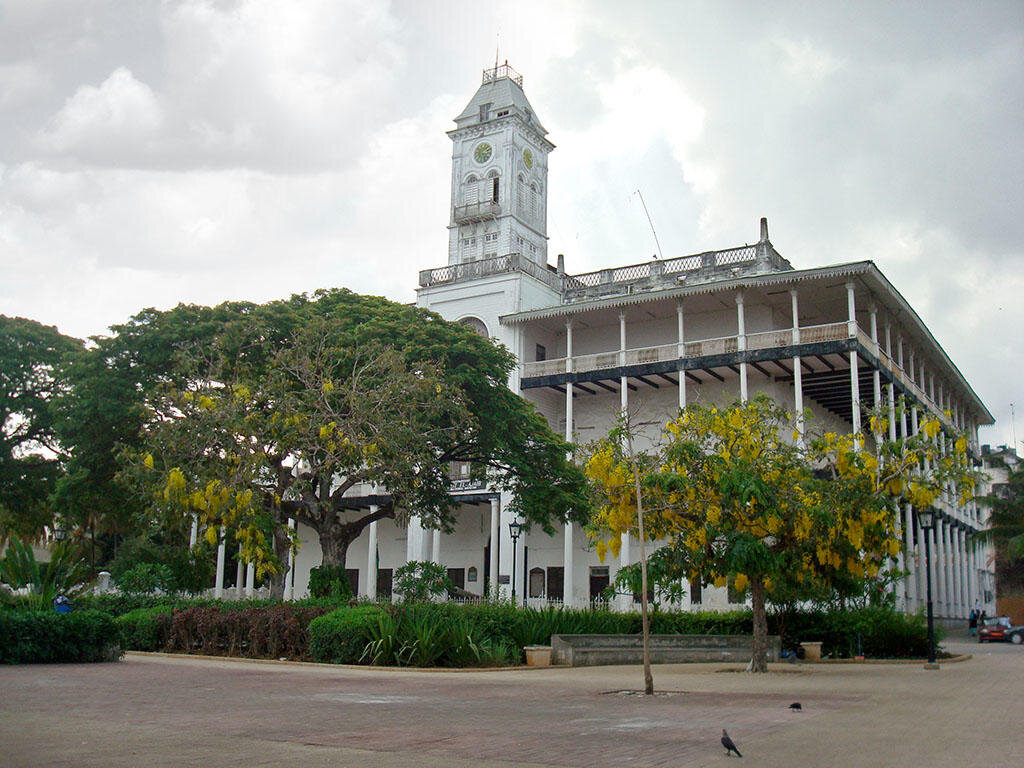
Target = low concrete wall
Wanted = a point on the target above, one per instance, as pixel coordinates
(595, 650)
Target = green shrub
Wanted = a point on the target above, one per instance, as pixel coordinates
(46, 637)
(341, 636)
(181, 569)
(420, 581)
(330, 581)
(145, 629)
(146, 578)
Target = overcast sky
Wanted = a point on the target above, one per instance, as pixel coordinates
(158, 152)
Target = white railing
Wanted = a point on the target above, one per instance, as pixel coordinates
(721, 345)
(824, 332)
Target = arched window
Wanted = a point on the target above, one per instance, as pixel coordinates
(471, 190)
(492, 186)
(476, 324)
(536, 582)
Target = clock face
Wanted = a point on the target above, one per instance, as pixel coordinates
(482, 153)
(528, 158)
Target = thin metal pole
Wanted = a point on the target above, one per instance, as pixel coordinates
(514, 540)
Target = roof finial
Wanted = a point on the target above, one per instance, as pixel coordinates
(764, 230)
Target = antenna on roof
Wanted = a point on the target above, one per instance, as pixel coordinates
(497, 47)
(651, 223)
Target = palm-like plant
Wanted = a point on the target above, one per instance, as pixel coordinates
(66, 573)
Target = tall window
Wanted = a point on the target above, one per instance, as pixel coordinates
(485, 112)
(471, 190)
(521, 196)
(696, 590)
(492, 187)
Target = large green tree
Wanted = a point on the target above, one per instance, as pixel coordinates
(33, 358)
(296, 403)
(105, 409)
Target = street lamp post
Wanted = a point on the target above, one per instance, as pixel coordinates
(514, 529)
(926, 518)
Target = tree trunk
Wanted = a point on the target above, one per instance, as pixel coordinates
(281, 546)
(759, 662)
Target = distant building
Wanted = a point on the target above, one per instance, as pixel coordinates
(708, 327)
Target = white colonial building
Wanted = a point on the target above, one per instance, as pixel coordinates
(712, 327)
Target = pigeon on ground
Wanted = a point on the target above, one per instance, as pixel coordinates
(729, 746)
(795, 706)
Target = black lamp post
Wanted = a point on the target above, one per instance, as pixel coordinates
(926, 519)
(59, 534)
(514, 529)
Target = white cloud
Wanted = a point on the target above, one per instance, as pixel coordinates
(805, 61)
(120, 113)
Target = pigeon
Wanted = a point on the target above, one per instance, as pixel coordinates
(795, 706)
(729, 746)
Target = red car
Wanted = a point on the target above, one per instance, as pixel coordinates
(996, 628)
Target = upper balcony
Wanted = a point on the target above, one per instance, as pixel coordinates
(479, 211)
(499, 265)
(726, 352)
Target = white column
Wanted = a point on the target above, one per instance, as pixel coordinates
(741, 344)
(568, 582)
(682, 353)
(289, 577)
(218, 587)
(568, 386)
(947, 546)
(961, 551)
(851, 324)
(911, 537)
(623, 381)
(851, 311)
(940, 564)
(877, 377)
(505, 551)
(193, 535)
(435, 547)
(493, 565)
(239, 573)
(798, 384)
(371, 557)
(250, 579)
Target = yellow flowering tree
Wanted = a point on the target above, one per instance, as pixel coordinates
(729, 496)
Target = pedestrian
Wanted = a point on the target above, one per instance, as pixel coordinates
(972, 623)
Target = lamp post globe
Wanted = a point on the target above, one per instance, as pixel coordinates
(514, 529)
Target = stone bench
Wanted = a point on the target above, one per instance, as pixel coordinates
(595, 650)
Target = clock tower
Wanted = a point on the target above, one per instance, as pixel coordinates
(499, 174)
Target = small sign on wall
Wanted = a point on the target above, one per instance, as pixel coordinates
(471, 574)
(504, 578)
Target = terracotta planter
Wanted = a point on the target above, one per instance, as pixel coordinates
(538, 655)
(812, 651)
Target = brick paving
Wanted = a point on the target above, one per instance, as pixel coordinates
(157, 711)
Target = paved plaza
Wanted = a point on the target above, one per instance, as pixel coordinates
(161, 711)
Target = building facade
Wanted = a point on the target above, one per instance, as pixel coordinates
(714, 327)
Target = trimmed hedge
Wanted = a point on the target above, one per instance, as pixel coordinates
(258, 632)
(341, 636)
(145, 629)
(45, 637)
(447, 634)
